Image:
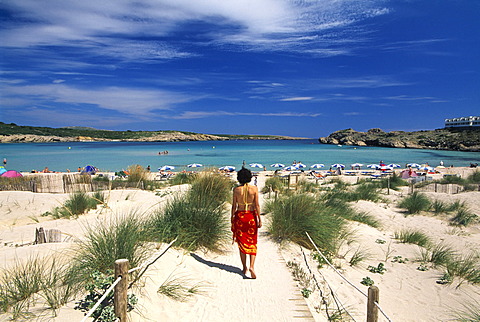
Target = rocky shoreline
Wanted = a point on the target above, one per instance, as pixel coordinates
(164, 137)
(440, 139)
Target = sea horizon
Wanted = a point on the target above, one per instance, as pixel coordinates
(115, 156)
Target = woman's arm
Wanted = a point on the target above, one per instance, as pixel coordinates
(234, 205)
(257, 208)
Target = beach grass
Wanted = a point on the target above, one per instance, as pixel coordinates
(274, 184)
(413, 237)
(439, 207)
(121, 237)
(358, 256)
(464, 217)
(178, 289)
(293, 215)
(474, 177)
(365, 191)
(198, 217)
(415, 203)
(466, 267)
(437, 254)
(469, 313)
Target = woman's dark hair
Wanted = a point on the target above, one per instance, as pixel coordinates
(244, 176)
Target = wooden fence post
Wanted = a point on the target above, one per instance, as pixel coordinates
(120, 291)
(372, 309)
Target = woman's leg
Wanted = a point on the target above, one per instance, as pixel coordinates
(243, 258)
(252, 264)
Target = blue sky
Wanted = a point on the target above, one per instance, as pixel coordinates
(301, 68)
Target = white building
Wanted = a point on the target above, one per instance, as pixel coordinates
(468, 121)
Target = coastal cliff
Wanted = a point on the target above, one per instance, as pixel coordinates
(440, 139)
(12, 133)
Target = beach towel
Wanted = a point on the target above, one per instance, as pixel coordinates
(245, 230)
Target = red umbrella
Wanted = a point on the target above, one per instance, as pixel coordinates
(12, 174)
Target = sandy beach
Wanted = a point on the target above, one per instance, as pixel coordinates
(406, 293)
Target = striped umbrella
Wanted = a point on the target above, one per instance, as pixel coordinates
(195, 165)
(256, 165)
(290, 168)
(356, 165)
(227, 168)
(338, 165)
(166, 168)
(373, 166)
(394, 165)
(413, 165)
(277, 165)
(300, 165)
(317, 166)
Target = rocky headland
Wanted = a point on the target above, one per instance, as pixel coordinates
(440, 139)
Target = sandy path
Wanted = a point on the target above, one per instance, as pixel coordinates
(226, 293)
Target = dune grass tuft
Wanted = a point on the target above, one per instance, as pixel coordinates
(466, 267)
(198, 217)
(296, 214)
(469, 313)
(413, 237)
(464, 217)
(274, 184)
(415, 203)
(437, 254)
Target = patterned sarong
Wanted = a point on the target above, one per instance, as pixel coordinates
(245, 231)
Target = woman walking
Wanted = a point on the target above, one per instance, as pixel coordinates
(246, 219)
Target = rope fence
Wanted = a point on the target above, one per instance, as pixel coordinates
(123, 274)
(375, 303)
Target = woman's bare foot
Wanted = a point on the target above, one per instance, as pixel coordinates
(244, 271)
(252, 272)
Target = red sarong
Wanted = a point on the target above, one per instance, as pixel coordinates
(245, 230)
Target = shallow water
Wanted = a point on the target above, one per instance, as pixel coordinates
(114, 156)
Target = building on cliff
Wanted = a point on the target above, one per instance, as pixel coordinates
(463, 122)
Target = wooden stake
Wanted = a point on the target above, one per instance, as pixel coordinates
(120, 291)
(372, 309)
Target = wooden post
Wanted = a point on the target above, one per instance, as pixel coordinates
(372, 309)
(40, 236)
(120, 291)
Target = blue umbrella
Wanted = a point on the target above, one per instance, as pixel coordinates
(317, 165)
(256, 165)
(227, 168)
(290, 168)
(195, 165)
(394, 165)
(373, 166)
(166, 168)
(2, 170)
(300, 165)
(356, 165)
(338, 165)
(277, 165)
(413, 165)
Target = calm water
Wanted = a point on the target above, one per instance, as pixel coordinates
(115, 156)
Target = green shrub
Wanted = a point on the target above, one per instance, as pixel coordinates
(137, 174)
(274, 184)
(456, 205)
(296, 214)
(307, 186)
(452, 179)
(464, 217)
(181, 178)
(439, 207)
(365, 191)
(394, 182)
(413, 237)
(366, 219)
(474, 177)
(415, 203)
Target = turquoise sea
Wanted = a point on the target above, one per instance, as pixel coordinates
(114, 156)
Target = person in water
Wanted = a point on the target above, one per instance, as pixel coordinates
(246, 219)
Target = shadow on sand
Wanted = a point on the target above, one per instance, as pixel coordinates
(225, 267)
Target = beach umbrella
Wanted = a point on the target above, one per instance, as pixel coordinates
(166, 168)
(2, 170)
(356, 165)
(11, 174)
(290, 168)
(373, 166)
(277, 165)
(195, 165)
(227, 168)
(338, 165)
(300, 165)
(385, 167)
(317, 166)
(413, 165)
(394, 165)
(256, 165)
(426, 168)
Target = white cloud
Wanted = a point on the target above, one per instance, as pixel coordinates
(207, 114)
(124, 100)
(255, 25)
(293, 99)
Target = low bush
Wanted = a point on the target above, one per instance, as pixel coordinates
(474, 177)
(274, 184)
(415, 203)
(464, 217)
